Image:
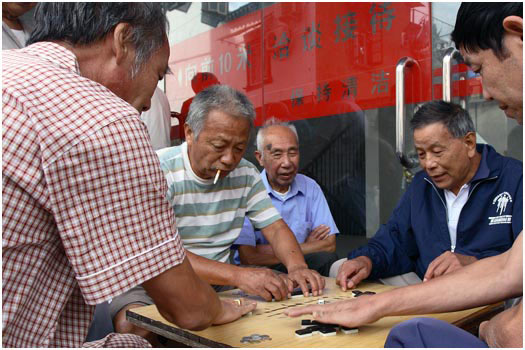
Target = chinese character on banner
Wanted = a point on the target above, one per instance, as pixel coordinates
(207, 65)
(191, 71)
(312, 37)
(297, 97)
(381, 79)
(323, 92)
(345, 26)
(382, 16)
(243, 57)
(349, 87)
(281, 47)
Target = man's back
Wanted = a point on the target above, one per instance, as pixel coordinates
(67, 143)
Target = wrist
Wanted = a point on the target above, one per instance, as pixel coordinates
(296, 267)
(366, 261)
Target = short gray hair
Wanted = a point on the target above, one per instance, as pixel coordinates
(453, 116)
(219, 97)
(271, 122)
(84, 23)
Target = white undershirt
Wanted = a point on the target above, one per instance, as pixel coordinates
(282, 195)
(454, 206)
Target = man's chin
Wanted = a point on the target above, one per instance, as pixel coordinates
(516, 115)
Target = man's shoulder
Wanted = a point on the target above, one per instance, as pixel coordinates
(171, 157)
(245, 168)
(306, 183)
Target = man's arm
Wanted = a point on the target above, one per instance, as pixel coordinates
(254, 281)
(486, 281)
(287, 250)
(324, 245)
(504, 330)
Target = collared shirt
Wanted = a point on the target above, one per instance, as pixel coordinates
(303, 209)
(158, 120)
(210, 216)
(454, 206)
(85, 216)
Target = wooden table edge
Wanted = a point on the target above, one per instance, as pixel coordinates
(173, 333)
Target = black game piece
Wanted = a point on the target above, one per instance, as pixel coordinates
(307, 332)
(348, 330)
(306, 323)
(369, 293)
(357, 292)
(327, 331)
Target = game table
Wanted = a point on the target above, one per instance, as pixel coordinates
(268, 319)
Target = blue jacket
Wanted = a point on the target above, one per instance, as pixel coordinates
(417, 231)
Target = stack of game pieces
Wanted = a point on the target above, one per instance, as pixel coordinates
(255, 338)
(358, 293)
(310, 327)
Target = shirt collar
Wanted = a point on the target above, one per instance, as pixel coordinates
(295, 188)
(56, 54)
(483, 168)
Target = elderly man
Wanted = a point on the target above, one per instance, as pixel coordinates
(211, 190)
(80, 222)
(426, 233)
(490, 37)
(298, 199)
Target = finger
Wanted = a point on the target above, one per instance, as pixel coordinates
(315, 281)
(301, 310)
(342, 276)
(357, 278)
(441, 268)
(482, 327)
(301, 281)
(324, 234)
(429, 274)
(264, 294)
(247, 306)
(276, 286)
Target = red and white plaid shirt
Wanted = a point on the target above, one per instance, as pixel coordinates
(85, 216)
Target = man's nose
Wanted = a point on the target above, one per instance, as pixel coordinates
(227, 158)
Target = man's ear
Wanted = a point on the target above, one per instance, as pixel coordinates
(188, 134)
(513, 25)
(470, 142)
(122, 47)
(258, 156)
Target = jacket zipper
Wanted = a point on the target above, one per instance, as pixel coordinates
(453, 246)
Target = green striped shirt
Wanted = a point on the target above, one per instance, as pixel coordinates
(210, 217)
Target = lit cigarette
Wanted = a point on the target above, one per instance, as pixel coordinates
(216, 176)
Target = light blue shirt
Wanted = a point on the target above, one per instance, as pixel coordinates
(303, 208)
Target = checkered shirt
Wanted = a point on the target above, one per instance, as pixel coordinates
(85, 216)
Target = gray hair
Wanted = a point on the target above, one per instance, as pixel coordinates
(453, 116)
(219, 97)
(84, 23)
(271, 122)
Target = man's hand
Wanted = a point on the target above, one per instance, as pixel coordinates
(348, 313)
(302, 276)
(264, 282)
(318, 234)
(505, 330)
(353, 271)
(446, 263)
(233, 310)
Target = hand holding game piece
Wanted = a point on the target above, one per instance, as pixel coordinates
(233, 310)
(304, 276)
(353, 271)
(263, 282)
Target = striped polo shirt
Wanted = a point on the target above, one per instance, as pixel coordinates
(210, 217)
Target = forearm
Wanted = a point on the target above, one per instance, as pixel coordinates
(284, 245)
(259, 255)
(486, 281)
(183, 298)
(324, 245)
(505, 330)
(214, 272)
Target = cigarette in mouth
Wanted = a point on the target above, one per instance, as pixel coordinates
(216, 176)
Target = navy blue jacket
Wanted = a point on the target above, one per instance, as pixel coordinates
(417, 231)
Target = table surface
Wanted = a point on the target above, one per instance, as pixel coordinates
(268, 319)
